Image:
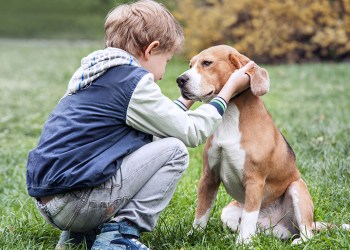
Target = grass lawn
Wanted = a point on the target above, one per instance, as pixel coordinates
(310, 104)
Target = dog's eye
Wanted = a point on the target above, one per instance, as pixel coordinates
(206, 63)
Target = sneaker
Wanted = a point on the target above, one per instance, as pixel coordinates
(68, 238)
(117, 236)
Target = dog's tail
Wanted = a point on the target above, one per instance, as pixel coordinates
(320, 226)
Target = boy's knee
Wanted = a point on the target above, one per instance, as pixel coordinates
(179, 144)
(180, 155)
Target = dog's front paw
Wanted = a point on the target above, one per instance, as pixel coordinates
(195, 228)
(190, 233)
(243, 239)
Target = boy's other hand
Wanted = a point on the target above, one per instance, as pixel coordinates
(188, 103)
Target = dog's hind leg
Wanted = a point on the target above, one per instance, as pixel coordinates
(231, 215)
(303, 209)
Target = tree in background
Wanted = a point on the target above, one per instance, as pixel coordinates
(269, 31)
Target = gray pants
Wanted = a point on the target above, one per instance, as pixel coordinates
(139, 191)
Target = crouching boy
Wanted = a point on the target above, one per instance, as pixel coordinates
(96, 169)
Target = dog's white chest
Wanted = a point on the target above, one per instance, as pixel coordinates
(226, 156)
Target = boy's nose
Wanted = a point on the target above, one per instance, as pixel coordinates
(182, 80)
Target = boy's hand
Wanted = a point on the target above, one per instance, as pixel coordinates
(240, 79)
(187, 103)
(237, 82)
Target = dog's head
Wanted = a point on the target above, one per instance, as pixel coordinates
(210, 70)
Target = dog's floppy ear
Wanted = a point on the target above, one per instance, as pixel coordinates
(259, 78)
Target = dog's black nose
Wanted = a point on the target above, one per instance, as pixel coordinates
(182, 80)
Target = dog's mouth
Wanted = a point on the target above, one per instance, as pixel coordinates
(190, 96)
(210, 94)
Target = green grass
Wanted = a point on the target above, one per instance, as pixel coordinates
(310, 104)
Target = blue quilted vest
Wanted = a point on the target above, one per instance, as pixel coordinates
(85, 138)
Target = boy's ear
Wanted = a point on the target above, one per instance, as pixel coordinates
(150, 48)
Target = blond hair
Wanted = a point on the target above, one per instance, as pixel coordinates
(132, 27)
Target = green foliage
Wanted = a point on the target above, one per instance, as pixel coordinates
(309, 103)
(266, 31)
(58, 19)
(269, 31)
(78, 19)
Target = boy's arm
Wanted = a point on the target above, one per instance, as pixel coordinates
(152, 112)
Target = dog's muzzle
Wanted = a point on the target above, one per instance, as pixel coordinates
(182, 80)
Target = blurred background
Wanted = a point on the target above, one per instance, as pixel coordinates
(274, 31)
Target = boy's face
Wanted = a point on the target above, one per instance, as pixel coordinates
(156, 63)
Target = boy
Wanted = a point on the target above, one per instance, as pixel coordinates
(95, 165)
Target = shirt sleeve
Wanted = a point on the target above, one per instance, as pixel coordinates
(151, 112)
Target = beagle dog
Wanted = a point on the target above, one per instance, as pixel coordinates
(248, 155)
